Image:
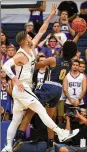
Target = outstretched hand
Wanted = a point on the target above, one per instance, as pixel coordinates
(54, 8)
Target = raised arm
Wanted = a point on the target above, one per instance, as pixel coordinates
(44, 26)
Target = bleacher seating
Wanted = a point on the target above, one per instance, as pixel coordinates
(13, 28)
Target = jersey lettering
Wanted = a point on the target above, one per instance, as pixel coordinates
(62, 74)
(3, 95)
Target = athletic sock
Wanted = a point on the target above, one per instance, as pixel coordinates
(20, 135)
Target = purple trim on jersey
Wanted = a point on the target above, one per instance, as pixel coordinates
(76, 76)
(5, 59)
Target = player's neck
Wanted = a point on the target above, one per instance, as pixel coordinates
(26, 48)
(75, 73)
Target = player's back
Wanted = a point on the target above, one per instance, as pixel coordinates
(59, 72)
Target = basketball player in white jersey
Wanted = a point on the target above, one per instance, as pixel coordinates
(74, 86)
(24, 98)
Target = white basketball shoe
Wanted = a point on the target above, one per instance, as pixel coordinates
(7, 149)
(66, 134)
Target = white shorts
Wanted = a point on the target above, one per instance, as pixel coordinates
(23, 99)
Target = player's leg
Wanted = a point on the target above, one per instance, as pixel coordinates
(16, 120)
(40, 110)
(51, 112)
(22, 128)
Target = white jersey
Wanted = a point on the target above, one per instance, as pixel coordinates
(25, 73)
(74, 87)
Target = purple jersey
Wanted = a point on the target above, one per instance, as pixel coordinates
(65, 29)
(6, 100)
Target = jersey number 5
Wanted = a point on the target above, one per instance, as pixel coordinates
(62, 74)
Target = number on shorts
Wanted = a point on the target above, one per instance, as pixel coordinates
(62, 74)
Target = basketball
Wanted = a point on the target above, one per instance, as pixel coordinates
(79, 25)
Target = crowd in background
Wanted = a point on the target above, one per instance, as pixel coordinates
(50, 46)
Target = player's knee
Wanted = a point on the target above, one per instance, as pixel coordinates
(63, 149)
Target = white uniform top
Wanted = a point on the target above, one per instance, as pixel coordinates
(25, 73)
(74, 87)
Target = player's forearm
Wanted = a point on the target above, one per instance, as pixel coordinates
(7, 68)
(67, 95)
(82, 94)
(83, 119)
(76, 38)
(46, 23)
(42, 43)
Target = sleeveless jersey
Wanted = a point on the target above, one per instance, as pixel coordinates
(6, 100)
(74, 87)
(25, 73)
(59, 72)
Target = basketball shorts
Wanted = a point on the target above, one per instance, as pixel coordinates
(23, 99)
(49, 94)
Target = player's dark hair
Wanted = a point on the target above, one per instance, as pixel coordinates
(21, 36)
(76, 60)
(69, 50)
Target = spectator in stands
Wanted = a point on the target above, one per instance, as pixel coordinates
(83, 10)
(86, 59)
(86, 54)
(50, 48)
(6, 99)
(76, 142)
(29, 28)
(11, 50)
(70, 7)
(82, 68)
(74, 86)
(65, 25)
(40, 75)
(3, 52)
(56, 31)
(4, 39)
(36, 14)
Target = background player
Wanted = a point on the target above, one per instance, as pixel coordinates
(74, 86)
